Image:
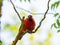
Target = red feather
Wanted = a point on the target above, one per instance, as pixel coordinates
(29, 24)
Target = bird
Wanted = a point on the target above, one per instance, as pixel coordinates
(29, 25)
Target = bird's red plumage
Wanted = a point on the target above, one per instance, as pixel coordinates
(30, 25)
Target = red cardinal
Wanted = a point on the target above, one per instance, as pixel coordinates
(29, 25)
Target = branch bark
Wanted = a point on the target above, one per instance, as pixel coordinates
(20, 33)
(15, 10)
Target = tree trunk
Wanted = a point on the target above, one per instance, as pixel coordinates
(1, 7)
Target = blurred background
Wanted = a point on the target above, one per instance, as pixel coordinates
(47, 34)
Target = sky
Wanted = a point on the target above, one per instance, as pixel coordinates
(37, 6)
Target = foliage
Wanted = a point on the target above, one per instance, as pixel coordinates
(56, 24)
(56, 15)
(6, 26)
(0, 42)
(1, 1)
(55, 5)
(47, 40)
(12, 28)
(25, 0)
(1, 7)
(58, 30)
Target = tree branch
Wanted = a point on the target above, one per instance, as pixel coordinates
(42, 18)
(32, 12)
(20, 33)
(16, 10)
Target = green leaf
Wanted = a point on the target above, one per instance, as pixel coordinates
(58, 31)
(52, 6)
(0, 42)
(58, 23)
(56, 14)
(55, 25)
(1, 1)
(55, 5)
(59, 16)
(52, 26)
(6, 26)
(25, 0)
(29, 0)
(20, 0)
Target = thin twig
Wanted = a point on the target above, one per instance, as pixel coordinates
(32, 12)
(16, 10)
(42, 18)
